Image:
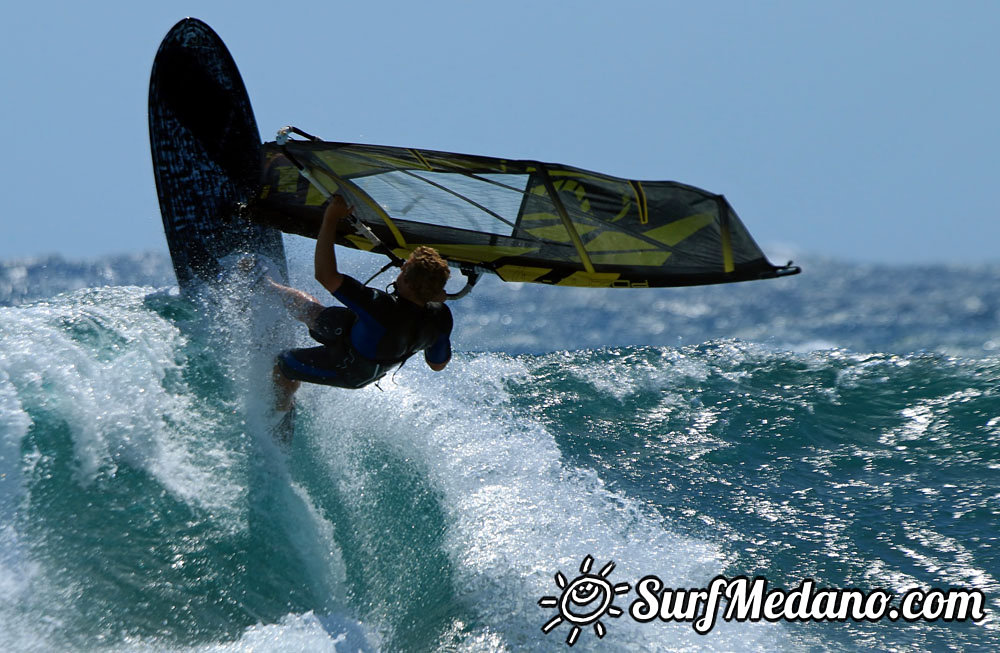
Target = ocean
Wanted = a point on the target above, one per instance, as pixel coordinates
(839, 428)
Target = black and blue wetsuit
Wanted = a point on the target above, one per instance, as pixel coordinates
(362, 342)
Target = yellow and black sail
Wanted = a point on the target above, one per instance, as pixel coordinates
(522, 220)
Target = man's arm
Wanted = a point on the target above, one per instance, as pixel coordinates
(325, 260)
(437, 355)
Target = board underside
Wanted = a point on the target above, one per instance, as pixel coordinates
(206, 154)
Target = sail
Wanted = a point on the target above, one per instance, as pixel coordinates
(522, 220)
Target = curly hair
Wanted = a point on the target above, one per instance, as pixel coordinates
(426, 273)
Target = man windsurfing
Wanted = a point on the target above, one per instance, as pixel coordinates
(375, 332)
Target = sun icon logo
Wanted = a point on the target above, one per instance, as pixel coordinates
(584, 601)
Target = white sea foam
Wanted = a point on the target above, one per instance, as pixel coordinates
(517, 511)
(295, 633)
(18, 573)
(110, 370)
(100, 362)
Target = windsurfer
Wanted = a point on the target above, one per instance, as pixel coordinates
(375, 332)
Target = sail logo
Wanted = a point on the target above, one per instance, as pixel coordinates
(584, 600)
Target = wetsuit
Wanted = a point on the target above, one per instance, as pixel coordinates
(362, 342)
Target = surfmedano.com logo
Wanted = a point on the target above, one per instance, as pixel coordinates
(591, 596)
(584, 600)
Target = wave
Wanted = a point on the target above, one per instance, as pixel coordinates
(149, 511)
(146, 508)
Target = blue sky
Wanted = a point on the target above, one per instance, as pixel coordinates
(866, 131)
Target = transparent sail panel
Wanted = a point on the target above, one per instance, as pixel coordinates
(488, 203)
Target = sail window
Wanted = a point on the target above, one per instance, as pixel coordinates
(483, 202)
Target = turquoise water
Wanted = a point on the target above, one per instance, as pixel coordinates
(144, 506)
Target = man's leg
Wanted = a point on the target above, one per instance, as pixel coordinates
(284, 389)
(305, 308)
(301, 305)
